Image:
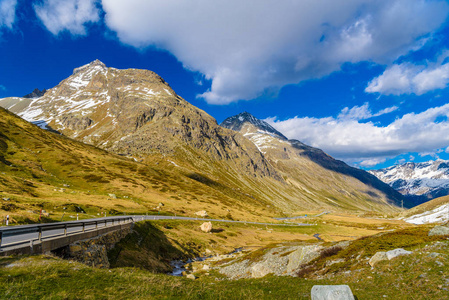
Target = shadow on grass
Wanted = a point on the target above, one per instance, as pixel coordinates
(148, 248)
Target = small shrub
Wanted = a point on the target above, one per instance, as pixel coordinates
(304, 270)
(331, 251)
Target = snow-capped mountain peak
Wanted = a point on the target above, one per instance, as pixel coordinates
(236, 122)
(83, 75)
(429, 179)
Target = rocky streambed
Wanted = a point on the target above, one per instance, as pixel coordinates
(280, 260)
(323, 260)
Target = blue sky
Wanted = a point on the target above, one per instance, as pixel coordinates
(366, 81)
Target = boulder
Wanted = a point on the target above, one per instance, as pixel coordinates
(379, 256)
(113, 196)
(206, 227)
(389, 255)
(397, 252)
(439, 230)
(303, 255)
(201, 213)
(331, 292)
(191, 276)
(260, 270)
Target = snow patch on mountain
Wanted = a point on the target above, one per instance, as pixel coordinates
(437, 215)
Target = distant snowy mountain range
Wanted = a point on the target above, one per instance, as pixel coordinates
(419, 181)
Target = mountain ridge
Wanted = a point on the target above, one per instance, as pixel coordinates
(135, 113)
(295, 157)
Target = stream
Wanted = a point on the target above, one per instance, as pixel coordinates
(179, 265)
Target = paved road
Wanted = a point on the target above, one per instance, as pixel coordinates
(154, 217)
(13, 236)
(302, 217)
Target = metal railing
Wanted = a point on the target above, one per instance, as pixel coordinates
(14, 236)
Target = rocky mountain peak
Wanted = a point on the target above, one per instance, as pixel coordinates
(96, 65)
(36, 93)
(236, 122)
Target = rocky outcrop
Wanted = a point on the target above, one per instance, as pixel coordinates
(280, 261)
(93, 252)
(76, 122)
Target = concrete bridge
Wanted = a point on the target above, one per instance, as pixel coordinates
(42, 238)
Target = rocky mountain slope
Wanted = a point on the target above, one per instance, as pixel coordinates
(419, 182)
(312, 171)
(40, 169)
(135, 113)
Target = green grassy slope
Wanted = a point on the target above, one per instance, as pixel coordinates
(44, 170)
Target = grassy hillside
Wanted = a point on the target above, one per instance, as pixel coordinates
(44, 170)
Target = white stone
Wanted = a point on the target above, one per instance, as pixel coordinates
(379, 256)
(397, 252)
(201, 213)
(206, 227)
(331, 292)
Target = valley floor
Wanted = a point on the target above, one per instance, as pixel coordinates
(420, 275)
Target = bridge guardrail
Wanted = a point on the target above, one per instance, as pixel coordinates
(37, 232)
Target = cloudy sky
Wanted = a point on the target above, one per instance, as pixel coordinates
(366, 81)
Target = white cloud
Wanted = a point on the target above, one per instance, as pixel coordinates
(250, 47)
(432, 154)
(401, 161)
(70, 15)
(354, 141)
(371, 162)
(7, 13)
(408, 78)
(362, 112)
